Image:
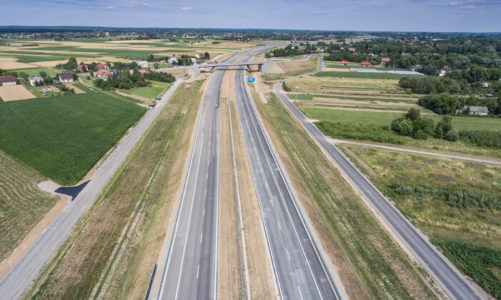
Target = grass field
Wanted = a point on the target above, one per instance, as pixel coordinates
(370, 264)
(385, 118)
(62, 137)
(155, 90)
(150, 177)
(361, 75)
(451, 201)
(36, 71)
(22, 204)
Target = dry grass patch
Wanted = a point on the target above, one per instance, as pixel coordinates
(296, 66)
(9, 63)
(15, 92)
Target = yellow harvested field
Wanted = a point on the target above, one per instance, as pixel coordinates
(8, 63)
(295, 66)
(14, 92)
(177, 71)
(324, 100)
(72, 86)
(89, 60)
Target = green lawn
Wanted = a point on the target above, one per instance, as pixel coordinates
(62, 137)
(361, 75)
(385, 118)
(155, 90)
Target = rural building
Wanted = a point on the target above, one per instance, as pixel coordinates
(102, 66)
(344, 62)
(50, 89)
(103, 74)
(365, 64)
(83, 68)
(173, 60)
(8, 80)
(142, 63)
(34, 80)
(193, 60)
(417, 68)
(142, 72)
(385, 60)
(476, 110)
(199, 55)
(65, 77)
(485, 84)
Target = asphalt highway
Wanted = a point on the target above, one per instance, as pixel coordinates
(450, 279)
(299, 270)
(27, 267)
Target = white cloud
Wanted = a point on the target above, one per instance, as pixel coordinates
(185, 8)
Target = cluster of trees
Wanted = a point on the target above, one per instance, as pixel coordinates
(71, 64)
(160, 76)
(447, 104)
(122, 80)
(428, 85)
(351, 56)
(481, 138)
(292, 50)
(416, 126)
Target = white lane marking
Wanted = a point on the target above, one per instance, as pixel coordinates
(288, 255)
(201, 237)
(300, 295)
(198, 270)
(203, 213)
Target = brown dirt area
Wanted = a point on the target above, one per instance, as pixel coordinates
(356, 102)
(15, 92)
(134, 96)
(177, 71)
(228, 278)
(49, 64)
(295, 66)
(72, 86)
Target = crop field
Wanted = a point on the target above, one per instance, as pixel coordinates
(22, 203)
(14, 92)
(457, 204)
(155, 90)
(36, 71)
(62, 137)
(361, 75)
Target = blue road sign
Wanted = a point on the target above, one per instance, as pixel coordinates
(251, 79)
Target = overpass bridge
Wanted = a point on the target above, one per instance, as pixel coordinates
(211, 67)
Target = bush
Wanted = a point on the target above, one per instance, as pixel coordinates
(286, 87)
(452, 136)
(381, 134)
(481, 138)
(442, 104)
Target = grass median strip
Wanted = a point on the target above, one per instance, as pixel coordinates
(143, 191)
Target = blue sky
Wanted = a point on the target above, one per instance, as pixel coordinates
(390, 15)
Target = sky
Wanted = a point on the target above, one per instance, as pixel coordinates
(357, 15)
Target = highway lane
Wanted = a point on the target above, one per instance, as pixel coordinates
(438, 266)
(27, 267)
(191, 268)
(299, 272)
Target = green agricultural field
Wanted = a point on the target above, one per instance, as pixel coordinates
(23, 204)
(35, 71)
(456, 203)
(62, 137)
(385, 118)
(155, 90)
(361, 75)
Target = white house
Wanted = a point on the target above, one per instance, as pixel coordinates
(173, 60)
(65, 77)
(193, 60)
(8, 80)
(34, 80)
(476, 110)
(142, 63)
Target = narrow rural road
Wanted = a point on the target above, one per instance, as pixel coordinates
(25, 270)
(299, 269)
(449, 278)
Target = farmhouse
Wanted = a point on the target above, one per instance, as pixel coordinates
(65, 77)
(142, 63)
(173, 60)
(102, 66)
(35, 80)
(83, 68)
(50, 89)
(8, 80)
(142, 72)
(343, 62)
(365, 64)
(476, 110)
(103, 74)
(385, 60)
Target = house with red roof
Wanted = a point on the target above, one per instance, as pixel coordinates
(102, 66)
(144, 72)
(102, 73)
(83, 68)
(365, 64)
(8, 80)
(344, 62)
